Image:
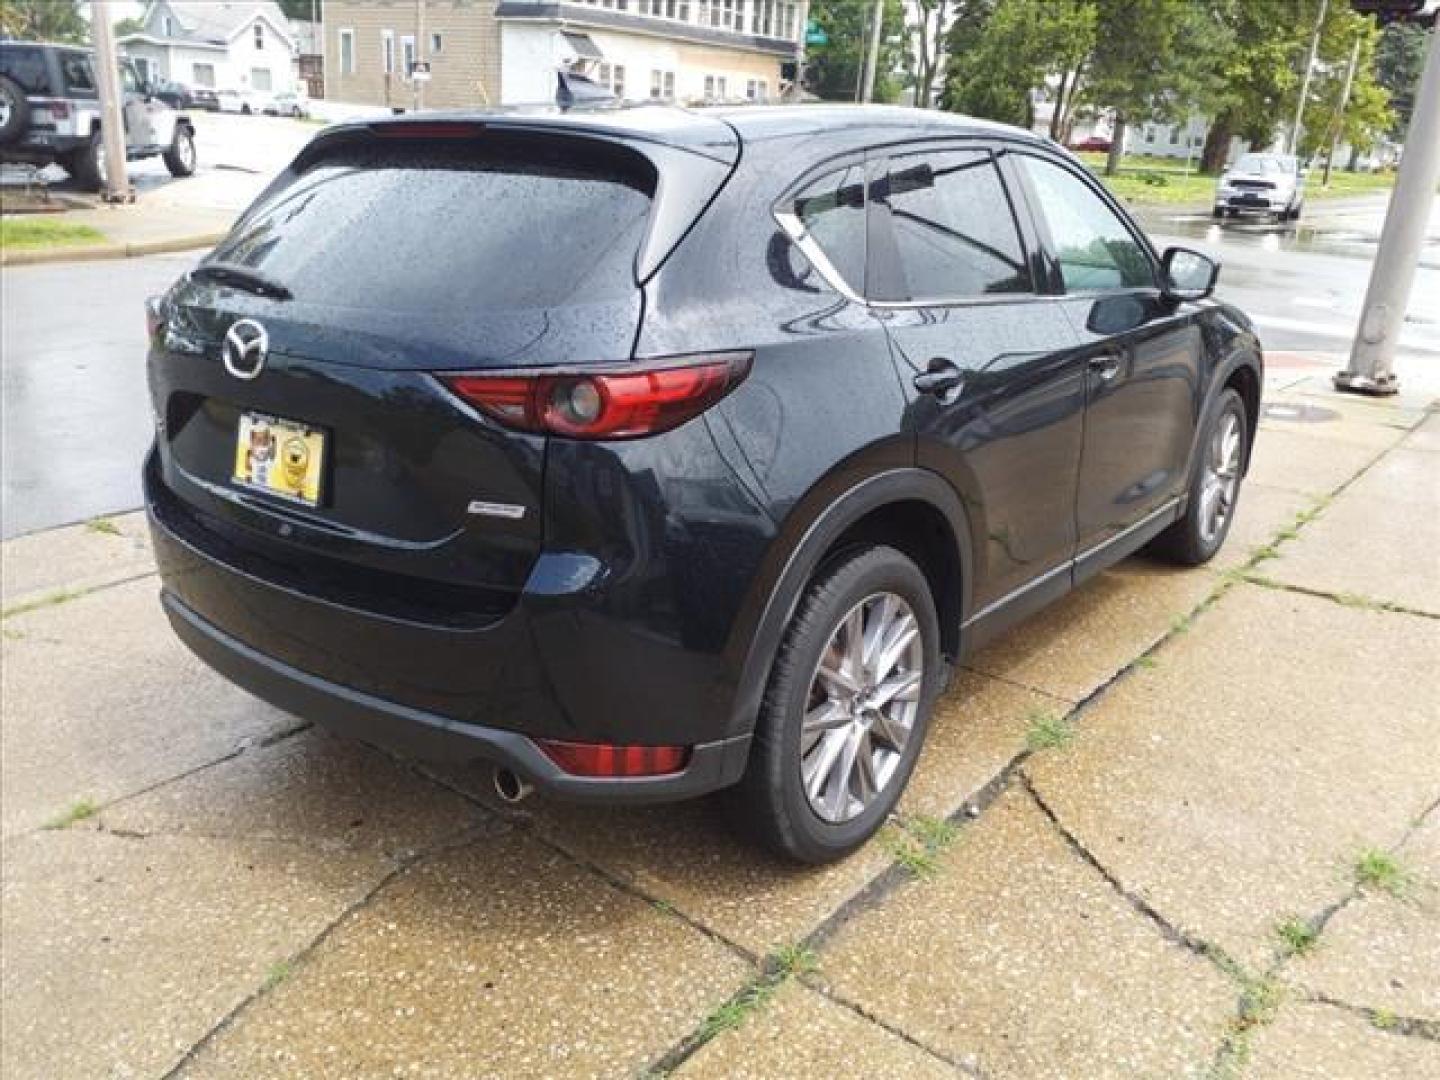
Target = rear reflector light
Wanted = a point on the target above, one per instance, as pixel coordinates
(607, 759)
(605, 405)
(58, 110)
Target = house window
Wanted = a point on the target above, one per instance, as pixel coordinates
(612, 76)
(169, 26)
(203, 75)
(437, 43)
(387, 51)
(260, 80)
(757, 89)
(259, 36)
(662, 85)
(347, 52)
(715, 87)
(407, 53)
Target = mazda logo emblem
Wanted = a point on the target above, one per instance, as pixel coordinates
(245, 348)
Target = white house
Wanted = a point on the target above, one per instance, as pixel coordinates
(225, 44)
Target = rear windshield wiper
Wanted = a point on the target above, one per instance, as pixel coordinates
(242, 277)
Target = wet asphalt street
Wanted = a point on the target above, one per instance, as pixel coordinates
(76, 420)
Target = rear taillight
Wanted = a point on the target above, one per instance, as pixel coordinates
(608, 759)
(59, 110)
(605, 405)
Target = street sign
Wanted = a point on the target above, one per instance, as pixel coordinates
(815, 34)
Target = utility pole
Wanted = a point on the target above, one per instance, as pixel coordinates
(868, 94)
(1305, 81)
(415, 80)
(1340, 115)
(1373, 354)
(797, 87)
(112, 116)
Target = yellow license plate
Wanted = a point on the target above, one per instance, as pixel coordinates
(281, 457)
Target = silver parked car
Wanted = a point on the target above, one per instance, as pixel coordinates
(1271, 184)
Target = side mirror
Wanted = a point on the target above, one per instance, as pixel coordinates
(1189, 275)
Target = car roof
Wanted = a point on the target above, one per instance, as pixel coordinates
(713, 130)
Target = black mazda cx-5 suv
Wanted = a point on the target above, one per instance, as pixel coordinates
(649, 452)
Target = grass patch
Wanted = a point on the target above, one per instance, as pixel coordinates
(1297, 935)
(276, 974)
(1048, 731)
(1148, 179)
(30, 233)
(79, 810)
(934, 833)
(1376, 869)
(909, 853)
(1384, 1019)
(739, 1008)
(102, 525)
(48, 600)
(794, 959)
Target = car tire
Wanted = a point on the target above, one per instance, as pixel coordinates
(1222, 453)
(834, 813)
(244, 110)
(84, 165)
(180, 157)
(1218, 213)
(14, 111)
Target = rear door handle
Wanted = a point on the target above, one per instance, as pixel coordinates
(942, 379)
(1106, 366)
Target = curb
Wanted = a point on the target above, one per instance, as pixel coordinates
(95, 252)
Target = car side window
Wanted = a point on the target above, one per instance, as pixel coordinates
(78, 77)
(954, 231)
(832, 210)
(1097, 252)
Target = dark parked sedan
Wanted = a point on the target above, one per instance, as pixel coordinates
(180, 96)
(646, 453)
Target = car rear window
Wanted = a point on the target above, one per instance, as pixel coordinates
(78, 73)
(434, 225)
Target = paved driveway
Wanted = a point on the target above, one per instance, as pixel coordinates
(1183, 824)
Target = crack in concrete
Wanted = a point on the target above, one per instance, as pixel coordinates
(63, 595)
(297, 960)
(1414, 1027)
(1351, 600)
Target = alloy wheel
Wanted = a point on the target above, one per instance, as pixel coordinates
(1221, 481)
(863, 701)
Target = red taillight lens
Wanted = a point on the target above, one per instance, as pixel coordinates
(607, 759)
(59, 110)
(605, 405)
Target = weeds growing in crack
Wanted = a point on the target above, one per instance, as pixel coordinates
(796, 959)
(739, 1008)
(276, 974)
(60, 596)
(1376, 869)
(1146, 662)
(102, 525)
(1384, 1019)
(917, 840)
(1048, 731)
(1298, 936)
(77, 811)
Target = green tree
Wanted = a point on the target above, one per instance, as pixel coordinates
(835, 68)
(1367, 115)
(1399, 59)
(1258, 75)
(303, 10)
(44, 20)
(1000, 55)
(127, 26)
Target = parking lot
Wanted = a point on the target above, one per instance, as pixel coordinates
(1183, 824)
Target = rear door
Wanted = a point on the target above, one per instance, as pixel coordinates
(390, 258)
(989, 362)
(1142, 354)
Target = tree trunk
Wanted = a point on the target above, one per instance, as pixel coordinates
(1057, 118)
(1354, 162)
(1217, 145)
(1117, 146)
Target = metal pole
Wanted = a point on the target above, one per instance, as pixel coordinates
(112, 118)
(870, 60)
(1305, 82)
(1340, 114)
(1401, 240)
(419, 84)
(797, 88)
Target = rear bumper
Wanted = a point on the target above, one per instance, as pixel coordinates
(1260, 204)
(428, 736)
(546, 669)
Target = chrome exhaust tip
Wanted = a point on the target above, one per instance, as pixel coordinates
(510, 787)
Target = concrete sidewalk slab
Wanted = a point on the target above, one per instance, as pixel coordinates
(500, 958)
(1233, 784)
(1380, 539)
(1261, 513)
(100, 699)
(1381, 951)
(313, 789)
(688, 857)
(1078, 643)
(121, 953)
(73, 559)
(1298, 462)
(800, 1033)
(1426, 435)
(1317, 1042)
(1019, 957)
